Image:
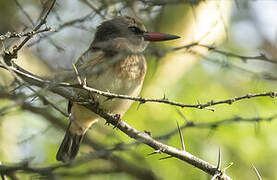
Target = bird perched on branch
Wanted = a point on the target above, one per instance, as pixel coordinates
(117, 46)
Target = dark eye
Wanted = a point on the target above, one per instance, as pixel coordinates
(135, 30)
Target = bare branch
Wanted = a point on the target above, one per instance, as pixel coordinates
(13, 54)
(9, 35)
(24, 12)
(123, 126)
(261, 57)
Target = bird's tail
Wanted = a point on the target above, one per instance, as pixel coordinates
(70, 146)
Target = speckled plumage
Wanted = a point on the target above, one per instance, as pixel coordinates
(117, 48)
(125, 76)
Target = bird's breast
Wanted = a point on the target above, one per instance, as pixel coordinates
(133, 68)
(125, 77)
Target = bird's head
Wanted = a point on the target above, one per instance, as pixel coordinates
(126, 33)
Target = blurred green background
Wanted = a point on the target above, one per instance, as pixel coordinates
(191, 76)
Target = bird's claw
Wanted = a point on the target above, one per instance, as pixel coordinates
(117, 117)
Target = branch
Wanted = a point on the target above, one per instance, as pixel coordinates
(9, 35)
(123, 126)
(120, 163)
(35, 79)
(164, 100)
(9, 55)
(261, 57)
(214, 125)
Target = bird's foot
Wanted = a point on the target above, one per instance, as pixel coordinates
(117, 117)
(107, 123)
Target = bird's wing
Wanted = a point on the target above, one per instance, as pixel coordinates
(90, 59)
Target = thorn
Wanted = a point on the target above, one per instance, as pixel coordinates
(190, 124)
(69, 115)
(211, 102)
(210, 109)
(164, 97)
(248, 95)
(155, 152)
(140, 103)
(181, 136)
(272, 94)
(108, 98)
(224, 169)
(181, 114)
(263, 55)
(211, 47)
(218, 167)
(167, 157)
(231, 101)
(199, 105)
(85, 81)
(107, 123)
(257, 172)
(147, 132)
(244, 60)
(35, 98)
(215, 176)
(77, 74)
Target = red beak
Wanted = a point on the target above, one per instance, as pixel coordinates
(156, 36)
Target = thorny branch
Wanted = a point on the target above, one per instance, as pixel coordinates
(212, 48)
(141, 100)
(145, 138)
(63, 90)
(9, 35)
(123, 126)
(121, 164)
(9, 55)
(164, 100)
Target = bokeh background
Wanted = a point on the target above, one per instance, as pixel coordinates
(192, 75)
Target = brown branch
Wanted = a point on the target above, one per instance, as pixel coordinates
(243, 58)
(215, 124)
(95, 9)
(9, 35)
(61, 27)
(24, 12)
(121, 164)
(173, 2)
(166, 101)
(261, 57)
(141, 100)
(9, 55)
(123, 126)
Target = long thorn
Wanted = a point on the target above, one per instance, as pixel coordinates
(181, 136)
(219, 159)
(257, 172)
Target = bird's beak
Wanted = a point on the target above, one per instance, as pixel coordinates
(156, 36)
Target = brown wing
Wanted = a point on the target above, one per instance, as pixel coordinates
(90, 58)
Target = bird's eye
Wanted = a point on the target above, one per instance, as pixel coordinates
(135, 30)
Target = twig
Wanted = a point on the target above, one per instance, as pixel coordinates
(261, 57)
(13, 53)
(24, 12)
(95, 9)
(60, 27)
(215, 124)
(9, 35)
(166, 101)
(124, 127)
(35, 79)
(121, 164)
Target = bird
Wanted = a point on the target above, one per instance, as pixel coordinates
(124, 76)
